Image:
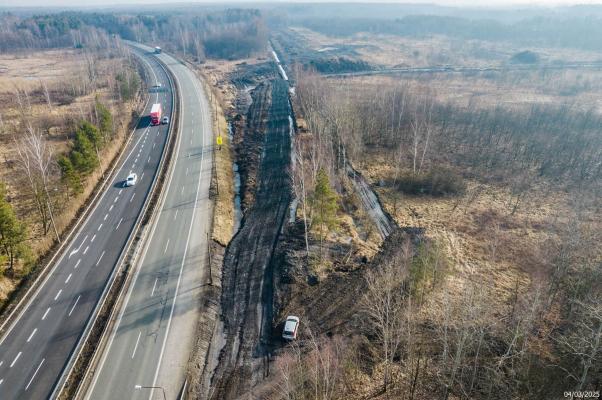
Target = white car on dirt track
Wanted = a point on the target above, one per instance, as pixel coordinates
(291, 327)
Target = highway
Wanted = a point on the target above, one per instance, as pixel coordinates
(155, 329)
(35, 349)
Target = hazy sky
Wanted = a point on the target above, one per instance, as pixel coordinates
(482, 3)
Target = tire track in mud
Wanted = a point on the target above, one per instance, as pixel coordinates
(247, 283)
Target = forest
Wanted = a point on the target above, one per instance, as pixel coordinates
(230, 33)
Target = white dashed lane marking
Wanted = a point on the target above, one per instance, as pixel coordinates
(136, 346)
(15, 360)
(46, 313)
(58, 294)
(34, 374)
(31, 335)
(119, 224)
(74, 304)
(68, 279)
(154, 285)
(100, 258)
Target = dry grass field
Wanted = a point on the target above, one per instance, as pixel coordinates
(396, 51)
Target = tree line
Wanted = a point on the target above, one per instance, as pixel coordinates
(571, 32)
(559, 143)
(231, 33)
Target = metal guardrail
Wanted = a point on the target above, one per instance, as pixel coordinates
(136, 236)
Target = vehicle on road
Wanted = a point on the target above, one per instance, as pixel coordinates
(291, 326)
(131, 180)
(155, 114)
(165, 120)
(157, 50)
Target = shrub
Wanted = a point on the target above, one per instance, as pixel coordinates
(437, 182)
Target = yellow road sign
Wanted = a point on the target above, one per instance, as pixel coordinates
(219, 140)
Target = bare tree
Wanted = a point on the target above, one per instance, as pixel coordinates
(383, 306)
(36, 161)
(46, 94)
(300, 186)
(584, 341)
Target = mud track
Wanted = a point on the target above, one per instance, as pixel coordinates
(247, 283)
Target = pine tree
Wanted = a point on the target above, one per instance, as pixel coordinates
(92, 133)
(69, 175)
(83, 155)
(12, 231)
(324, 205)
(105, 120)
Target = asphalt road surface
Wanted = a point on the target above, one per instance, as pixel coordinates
(38, 345)
(154, 332)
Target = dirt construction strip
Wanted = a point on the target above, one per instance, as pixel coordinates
(247, 276)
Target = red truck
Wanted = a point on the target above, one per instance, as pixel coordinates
(155, 114)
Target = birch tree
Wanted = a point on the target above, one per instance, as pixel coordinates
(36, 162)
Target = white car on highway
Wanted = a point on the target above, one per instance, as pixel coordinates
(131, 180)
(165, 120)
(291, 326)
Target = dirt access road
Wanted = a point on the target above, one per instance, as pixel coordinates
(247, 285)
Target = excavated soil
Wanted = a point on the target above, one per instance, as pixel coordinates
(247, 284)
